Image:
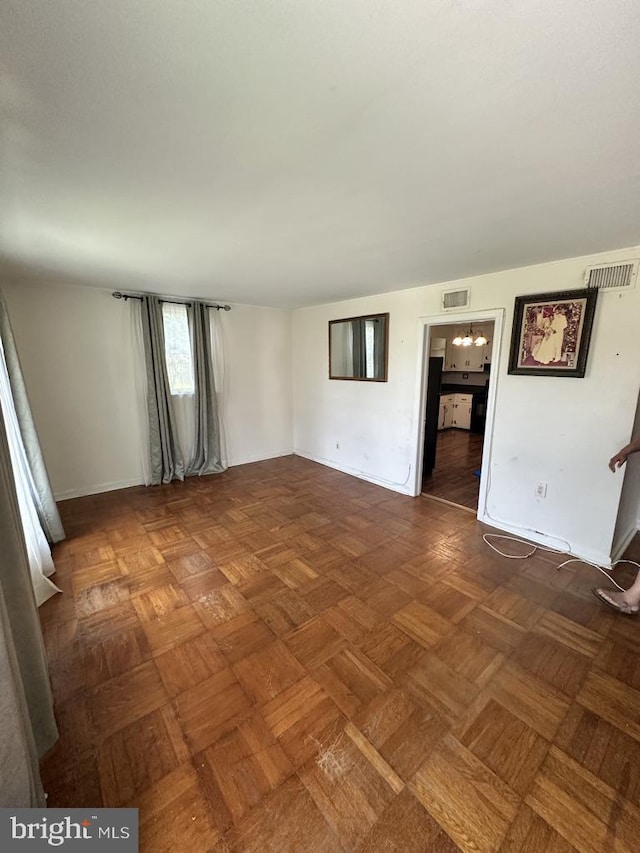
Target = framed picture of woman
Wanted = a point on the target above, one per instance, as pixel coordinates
(551, 333)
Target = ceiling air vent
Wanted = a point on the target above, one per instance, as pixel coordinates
(612, 276)
(453, 300)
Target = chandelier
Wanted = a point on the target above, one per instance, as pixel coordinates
(470, 339)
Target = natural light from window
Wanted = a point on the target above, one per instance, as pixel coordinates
(370, 343)
(177, 349)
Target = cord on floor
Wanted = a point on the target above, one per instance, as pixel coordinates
(534, 548)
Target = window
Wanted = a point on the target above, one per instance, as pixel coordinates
(177, 349)
(358, 348)
(369, 348)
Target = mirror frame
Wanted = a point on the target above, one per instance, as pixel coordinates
(385, 360)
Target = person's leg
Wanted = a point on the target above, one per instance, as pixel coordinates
(627, 601)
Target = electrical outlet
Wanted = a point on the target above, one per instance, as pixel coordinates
(541, 490)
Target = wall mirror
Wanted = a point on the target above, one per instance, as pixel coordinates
(358, 348)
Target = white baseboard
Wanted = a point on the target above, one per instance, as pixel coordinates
(260, 457)
(99, 488)
(402, 488)
(550, 541)
(96, 489)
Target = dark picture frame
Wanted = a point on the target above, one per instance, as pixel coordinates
(551, 333)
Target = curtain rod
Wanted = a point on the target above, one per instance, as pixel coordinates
(118, 295)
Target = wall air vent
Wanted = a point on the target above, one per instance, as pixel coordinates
(453, 300)
(609, 277)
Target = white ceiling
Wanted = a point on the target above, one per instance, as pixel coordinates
(294, 152)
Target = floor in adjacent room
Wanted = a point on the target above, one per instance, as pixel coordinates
(458, 455)
(285, 658)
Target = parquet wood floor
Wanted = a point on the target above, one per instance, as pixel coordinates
(285, 658)
(458, 455)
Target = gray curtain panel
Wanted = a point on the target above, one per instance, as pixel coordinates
(207, 458)
(27, 724)
(167, 463)
(359, 349)
(43, 497)
(378, 346)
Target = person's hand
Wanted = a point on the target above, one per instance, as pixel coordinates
(617, 461)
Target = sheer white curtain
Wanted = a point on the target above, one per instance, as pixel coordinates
(178, 330)
(38, 550)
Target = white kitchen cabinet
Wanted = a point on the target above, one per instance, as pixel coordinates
(464, 359)
(445, 415)
(449, 413)
(462, 411)
(476, 358)
(452, 357)
(455, 411)
(438, 347)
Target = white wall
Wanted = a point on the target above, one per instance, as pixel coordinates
(75, 347)
(258, 383)
(559, 430)
(629, 513)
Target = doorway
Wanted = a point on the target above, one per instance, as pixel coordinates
(459, 357)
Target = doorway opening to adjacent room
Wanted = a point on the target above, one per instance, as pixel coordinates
(458, 375)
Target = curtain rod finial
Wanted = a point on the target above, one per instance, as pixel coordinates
(117, 295)
(227, 307)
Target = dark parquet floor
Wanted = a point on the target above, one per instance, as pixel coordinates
(458, 455)
(285, 658)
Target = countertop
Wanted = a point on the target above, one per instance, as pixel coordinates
(450, 388)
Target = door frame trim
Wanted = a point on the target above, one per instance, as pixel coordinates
(426, 325)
